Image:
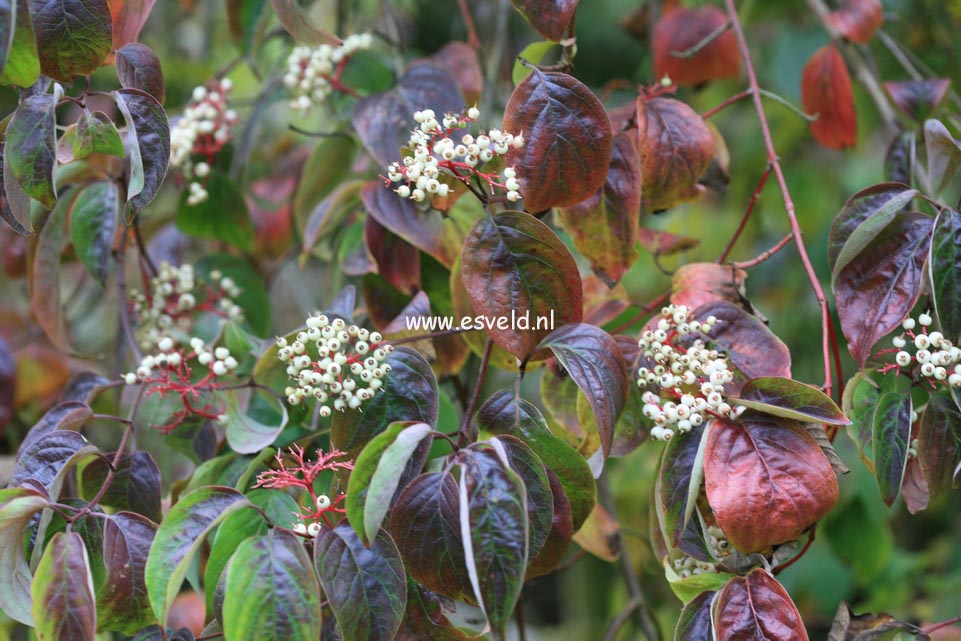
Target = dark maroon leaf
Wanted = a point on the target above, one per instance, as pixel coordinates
(680, 29)
(939, 442)
(756, 606)
(918, 98)
(680, 474)
(460, 59)
(560, 535)
(551, 18)
(138, 67)
(694, 623)
(604, 227)
(73, 36)
(945, 271)
(8, 384)
(568, 140)
(366, 587)
(42, 461)
(494, 531)
(424, 523)
(68, 415)
(31, 148)
(901, 158)
(540, 501)
(147, 143)
(594, 361)
(914, 487)
(676, 148)
(424, 619)
(514, 265)
(135, 486)
(397, 260)
(790, 399)
(64, 605)
(879, 287)
(749, 343)
(862, 218)
(891, 439)
(826, 91)
(770, 466)
(122, 598)
(383, 121)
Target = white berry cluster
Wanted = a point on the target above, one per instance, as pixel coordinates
(174, 357)
(175, 298)
(687, 566)
(203, 130)
(689, 381)
(313, 529)
(434, 154)
(331, 359)
(313, 73)
(913, 447)
(717, 542)
(935, 357)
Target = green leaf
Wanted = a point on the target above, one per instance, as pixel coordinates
(859, 538)
(147, 143)
(330, 215)
(891, 436)
(93, 225)
(877, 204)
(494, 531)
(223, 216)
(533, 53)
(64, 605)
(320, 176)
(256, 427)
(279, 507)
(242, 18)
(135, 485)
(790, 399)
(377, 473)
(425, 524)
(73, 36)
(860, 398)
(31, 147)
(694, 622)
(96, 134)
(15, 204)
(122, 601)
(17, 508)
(366, 586)
(425, 619)
(22, 65)
(944, 267)
(592, 358)
(409, 393)
(502, 414)
(513, 265)
(253, 299)
(8, 17)
(271, 591)
(939, 442)
(179, 539)
(689, 588)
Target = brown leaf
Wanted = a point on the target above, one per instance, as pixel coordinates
(676, 149)
(914, 487)
(826, 90)
(397, 260)
(696, 284)
(848, 626)
(460, 60)
(568, 140)
(664, 243)
(600, 534)
(857, 20)
(756, 606)
(918, 98)
(767, 480)
(604, 226)
(602, 304)
(680, 29)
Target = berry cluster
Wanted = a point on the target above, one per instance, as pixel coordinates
(174, 300)
(331, 359)
(202, 131)
(935, 358)
(688, 377)
(302, 475)
(313, 73)
(432, 150)
(687, 566)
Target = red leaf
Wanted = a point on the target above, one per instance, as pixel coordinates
(460, 60)
(879, 287)
(680, 29)
(568, 140)
(857, 20)
(129, 17)
(826, 90)
(551, 18)
(676, 149)
(756, 606)
(664, 243)
(918, 98)
(752, 347)
(767, 480)
(397, 260)
(697, 284)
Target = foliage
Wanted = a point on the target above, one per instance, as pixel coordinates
(299, 405)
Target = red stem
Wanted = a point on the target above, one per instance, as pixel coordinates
(472, 38)
(826, 329)
(928, 629)
(747, 214)
(727, 103)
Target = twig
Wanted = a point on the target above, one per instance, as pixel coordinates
(764, 256)
(928, 629)
(142, 247)
(794, 559)
(621, 618)
(826, 321)
(695, 49)
(122, 292)
(747, 214)
(472, 38)
(521, 622)
(465, 434)
(644, 313)
(641, 610)
(741, 95)
(781, 100)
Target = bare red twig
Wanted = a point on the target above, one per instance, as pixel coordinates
(747, 214)
(472, 38)
(741, 95)
(764, 256)
(826, 328)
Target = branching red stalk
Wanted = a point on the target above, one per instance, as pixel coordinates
(747, 214)
(826, 330)
(764, 256)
